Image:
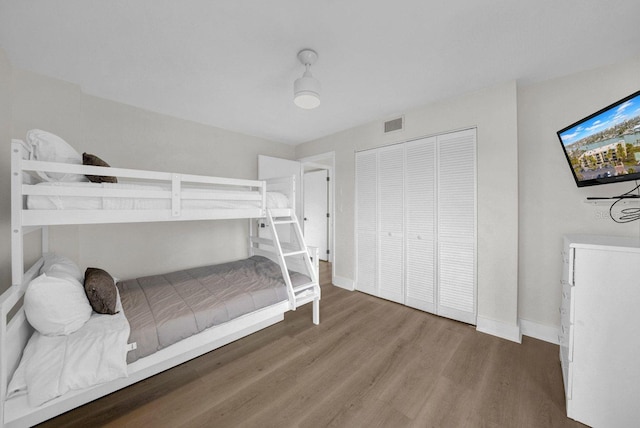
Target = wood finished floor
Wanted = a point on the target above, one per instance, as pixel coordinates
(370, 363)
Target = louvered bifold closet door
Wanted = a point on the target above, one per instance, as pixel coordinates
(420, 228)
(366, 221)
(391, 223)
(457, 225)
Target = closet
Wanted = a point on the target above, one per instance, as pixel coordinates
(416, 224)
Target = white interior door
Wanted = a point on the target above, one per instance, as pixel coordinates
(366, 222)
(315, 211)
(457, 225)
(391, 223)
(420, 227)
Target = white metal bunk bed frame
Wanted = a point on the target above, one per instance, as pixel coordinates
(15, 333)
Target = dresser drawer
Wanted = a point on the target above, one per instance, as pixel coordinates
(567, 317)
(567, 304)
(567, 265)
(567, 372)
(566, 339)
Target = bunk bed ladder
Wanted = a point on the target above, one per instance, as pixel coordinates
(304, 293)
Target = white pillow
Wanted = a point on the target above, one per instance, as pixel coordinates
(56, 306)
(61, 267)
(48, 147)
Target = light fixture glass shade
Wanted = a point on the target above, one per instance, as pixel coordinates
(306, 91)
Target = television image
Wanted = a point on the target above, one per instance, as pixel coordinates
(605, 146)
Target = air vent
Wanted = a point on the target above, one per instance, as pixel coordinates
(394, 125)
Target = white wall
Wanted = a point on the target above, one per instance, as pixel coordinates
(551, 205)
(494, 112)
(129, 137)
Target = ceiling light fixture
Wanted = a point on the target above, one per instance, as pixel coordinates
(306, 90)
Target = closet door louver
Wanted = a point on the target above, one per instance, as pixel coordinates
(366, 221)
(391, 223)
(420, 206)
(457, 225)
(416, 224)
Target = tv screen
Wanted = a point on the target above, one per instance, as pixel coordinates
(605, 146)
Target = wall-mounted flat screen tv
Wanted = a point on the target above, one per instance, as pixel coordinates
(605, 146)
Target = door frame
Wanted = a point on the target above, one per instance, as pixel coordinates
(325, 161)
(316, 199)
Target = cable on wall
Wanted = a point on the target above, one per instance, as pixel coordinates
(627, 215)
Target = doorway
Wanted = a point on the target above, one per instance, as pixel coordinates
(275, 167)
(318, 201)
(316, 211)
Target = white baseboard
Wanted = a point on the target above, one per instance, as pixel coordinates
(540, 331)
(342, 282)
(499, 329)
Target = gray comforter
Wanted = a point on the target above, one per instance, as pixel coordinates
(163, 309)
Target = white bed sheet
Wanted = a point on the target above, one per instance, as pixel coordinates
(55, 202)
(53, 365)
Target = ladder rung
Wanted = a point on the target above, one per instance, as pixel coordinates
(294, 253)
(304, 287)
(284, 221)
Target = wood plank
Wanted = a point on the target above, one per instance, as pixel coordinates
(240, 373)
(321, 383)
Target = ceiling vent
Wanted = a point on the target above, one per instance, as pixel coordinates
(394, 125)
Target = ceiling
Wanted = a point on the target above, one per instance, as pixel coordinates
(232, 63)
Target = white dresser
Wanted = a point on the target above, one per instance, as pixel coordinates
(600, 330)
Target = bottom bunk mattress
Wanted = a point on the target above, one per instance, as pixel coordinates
(163, 309)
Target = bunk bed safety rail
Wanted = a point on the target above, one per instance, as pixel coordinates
(33, 165)
(204, 197)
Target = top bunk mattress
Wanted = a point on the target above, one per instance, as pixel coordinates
(223, 199)
(164, 309)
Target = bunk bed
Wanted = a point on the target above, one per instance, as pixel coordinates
(127, 196)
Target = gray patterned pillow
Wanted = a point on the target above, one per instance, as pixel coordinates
(93, 160)
(101, 291)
